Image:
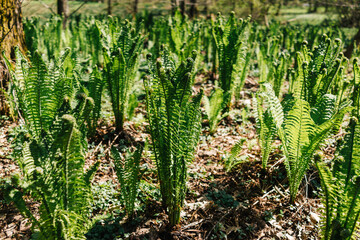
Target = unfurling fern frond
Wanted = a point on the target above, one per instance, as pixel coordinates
(128, 173)
(174, 119)
(265, 127)
(95, 88)
(319, 72)
(214, 106)
(235, 151)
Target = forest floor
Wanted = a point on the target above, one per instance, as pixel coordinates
(246, 202)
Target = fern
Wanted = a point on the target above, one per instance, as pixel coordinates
(128, 173)
(95, 89)
(174, 119)
(120, 66)
(235, 151)
(318, 72)
(340, 181)
(214, 107)
(265, 127)
(272, 63)
(54, 176)
(341, 188)
(299, 134)
(231, 46)
(39, 91)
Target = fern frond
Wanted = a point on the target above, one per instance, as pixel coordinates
(214, 106)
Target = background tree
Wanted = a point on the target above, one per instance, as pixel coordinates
(193, 11)
(63, 10)
(349, 13)
(135, 6)
(109, 12)
(11, 35)
(182, 6)
(62, 7)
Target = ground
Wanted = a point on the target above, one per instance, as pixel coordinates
(246, 202)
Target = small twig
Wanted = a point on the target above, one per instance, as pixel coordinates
(3, 38)
(48, 7)
(278, 191)
(192, 224)
(265, 195)
(208, 235)
(95, 151)
(278, 162)
(85, 2)
(111, 144)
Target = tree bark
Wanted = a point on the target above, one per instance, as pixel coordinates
(63, 10)
(11, 35)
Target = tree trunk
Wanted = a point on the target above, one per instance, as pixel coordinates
(63, 10)
(182, 5)
(11, 35)
(135, 7)
(251, 6)
(350, 48)
(193, 9)
(109, 12)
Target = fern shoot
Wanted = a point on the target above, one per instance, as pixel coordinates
(214, 106)
(340, 180)
(231, 41)
(120, 66)
(128, 173)
(54, 175)
(299, 134)
(174, 118)
(265, 127)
